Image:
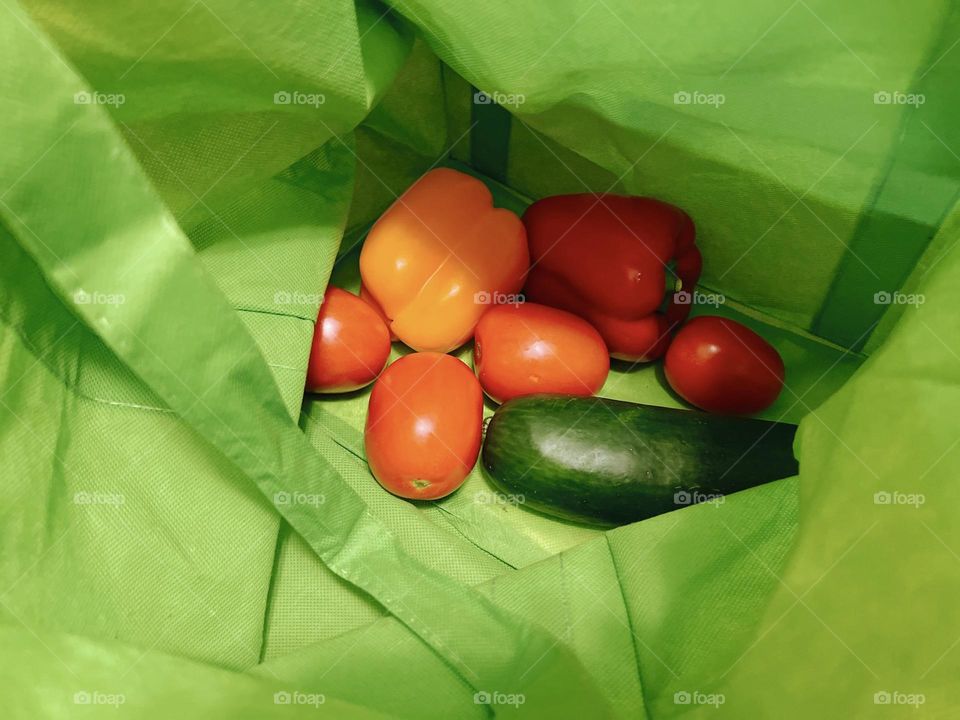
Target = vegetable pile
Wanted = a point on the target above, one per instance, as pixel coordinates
(606, 276)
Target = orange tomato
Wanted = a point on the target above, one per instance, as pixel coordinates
(351, 344)
(423, 426)
(529, 348)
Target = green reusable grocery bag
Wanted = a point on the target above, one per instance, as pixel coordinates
(184, 534)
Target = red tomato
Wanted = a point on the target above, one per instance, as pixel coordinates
(423, 426)
(351, 344)
(529, 348)
(723, 367)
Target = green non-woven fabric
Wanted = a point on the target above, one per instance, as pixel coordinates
(867, 594)
(185, 534)
(207, 379)
(739, 104)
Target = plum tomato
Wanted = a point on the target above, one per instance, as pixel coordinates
(351, 344)
(424, 425)
(529, 348)
(723, 367)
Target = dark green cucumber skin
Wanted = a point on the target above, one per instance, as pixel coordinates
(609, 462)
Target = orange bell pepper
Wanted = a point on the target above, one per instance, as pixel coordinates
(439, 256)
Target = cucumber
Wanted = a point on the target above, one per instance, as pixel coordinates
(608, 462)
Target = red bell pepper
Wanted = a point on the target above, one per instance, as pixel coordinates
(605, 257)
